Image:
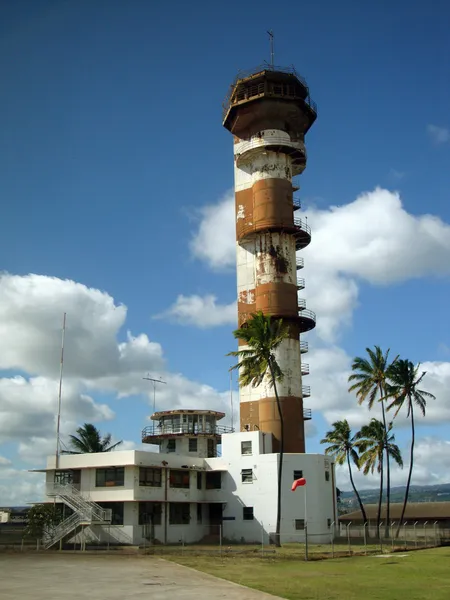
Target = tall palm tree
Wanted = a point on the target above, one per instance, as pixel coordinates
(90, 440)
(342, 446)
(374, 443)
(370, 377)
(262, 336)
(403, 387)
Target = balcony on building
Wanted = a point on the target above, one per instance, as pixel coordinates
(176, 423)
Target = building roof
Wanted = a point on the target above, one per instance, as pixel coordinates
(186, 411)
(414, 511)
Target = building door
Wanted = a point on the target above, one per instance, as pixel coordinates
(215, 518)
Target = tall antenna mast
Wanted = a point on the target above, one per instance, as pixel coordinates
(270, 32)
(155, 381)
(61, 366)
(231, 399)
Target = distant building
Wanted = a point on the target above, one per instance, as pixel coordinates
(186, 492)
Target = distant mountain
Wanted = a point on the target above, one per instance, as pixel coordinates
(417, 493)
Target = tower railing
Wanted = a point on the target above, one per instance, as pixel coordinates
(306, 391)
(302, 224)
(299, 263)
(296, 203)
(156, 430)
(305, 369)
(304, 347)
(300, 283)
(257, 71)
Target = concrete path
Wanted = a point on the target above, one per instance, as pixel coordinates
(56, 576)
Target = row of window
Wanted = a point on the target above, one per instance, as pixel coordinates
(152, 477)
(193, 446)
(247, 475)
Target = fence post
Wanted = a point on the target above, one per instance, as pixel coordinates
(425, 533)
(365, 537)
(435, 534)
(390, 533)
(380, 537)
(404, 534)
(348, 539)
(415, 534)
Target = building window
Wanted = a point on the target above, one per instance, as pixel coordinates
(247, 475)
(179, 514)
(116, 509)
(193, 444)
(299, 524)
(199, 480)
(68, 477)
(199, 513)
(211, 449)
(149, 477)
(213, 480)
(150, 513)
(298, 475)
(247, 513)
(110, 477)
(327, 475)
(179, 479)
(171, 445)
(246, 447)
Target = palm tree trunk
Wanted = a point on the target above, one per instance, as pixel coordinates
(380, 499)
(358, 497)
(411, 464)
(280, 469)
(388, 467)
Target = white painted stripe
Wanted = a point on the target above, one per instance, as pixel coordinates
(266, 138)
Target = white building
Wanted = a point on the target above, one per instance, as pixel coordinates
(185, 492)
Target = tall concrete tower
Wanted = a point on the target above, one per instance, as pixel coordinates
(269, 112)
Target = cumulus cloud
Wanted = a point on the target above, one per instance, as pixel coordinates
(201, 311)
(372, 239)
(31, 309)
(431, 460)
(439, 135)
(215, 240)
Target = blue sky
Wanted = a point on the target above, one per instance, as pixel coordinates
(112, 146)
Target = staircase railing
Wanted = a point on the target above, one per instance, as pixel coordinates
(60, 531)
(85, 511)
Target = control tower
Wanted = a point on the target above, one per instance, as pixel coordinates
(269, 111)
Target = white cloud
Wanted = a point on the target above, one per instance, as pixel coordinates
(4, 461)
(439, 135)
(396, 175)
(431, 460)
(31, 309)
(201, 311)
(372, 238)
(215, 240)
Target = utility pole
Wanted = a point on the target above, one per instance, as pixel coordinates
(155, 381)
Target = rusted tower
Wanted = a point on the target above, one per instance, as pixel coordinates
(269, 112)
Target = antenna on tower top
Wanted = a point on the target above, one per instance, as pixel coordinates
(270, 32)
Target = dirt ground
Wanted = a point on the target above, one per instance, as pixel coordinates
(61, 575)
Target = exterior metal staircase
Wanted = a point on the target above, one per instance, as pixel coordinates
(85, 512)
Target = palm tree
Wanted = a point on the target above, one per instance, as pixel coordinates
(90, 440)
(370, 376)
(343, 448)
(262, 336)
(374, 443)
(403, 387)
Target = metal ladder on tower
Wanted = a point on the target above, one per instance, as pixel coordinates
(85, 512)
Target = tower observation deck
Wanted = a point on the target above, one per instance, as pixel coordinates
(269, 111)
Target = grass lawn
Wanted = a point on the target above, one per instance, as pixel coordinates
(420, 575)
